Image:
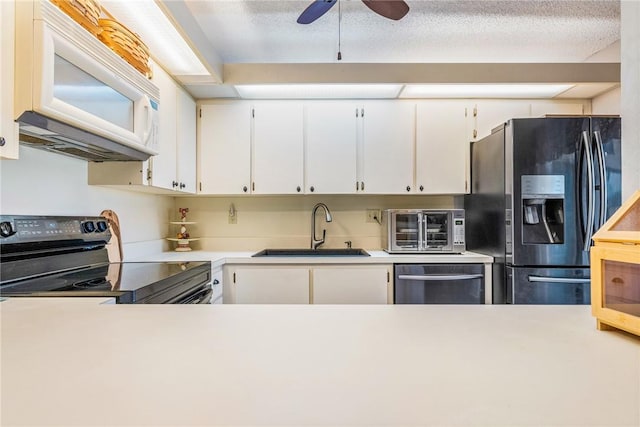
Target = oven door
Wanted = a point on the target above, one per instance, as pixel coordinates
(201, 295)
(439, 284)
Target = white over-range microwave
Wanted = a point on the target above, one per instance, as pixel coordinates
(74, 95)
(423, 231)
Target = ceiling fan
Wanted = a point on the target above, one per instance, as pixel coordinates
(392, 9)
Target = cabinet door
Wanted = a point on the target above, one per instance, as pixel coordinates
(271, 285)
(186, 142)
(388, 138)
(492, 113)
(224, 148)
(442, 148)
(543, 107)
(8, 128)
(351, 285)
(163, 165)
(278, 148)
(331, 137)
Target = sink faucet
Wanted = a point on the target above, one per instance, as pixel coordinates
(317, 242)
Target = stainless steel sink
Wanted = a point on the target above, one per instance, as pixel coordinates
(312, 252)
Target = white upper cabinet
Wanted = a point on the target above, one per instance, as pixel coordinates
(442, 147)
(278, 148)
(8, 128)
(543, 107)
(224, 150)
(164, 165)
(186, 141)
(492, 113)
(331, 136)
(388, 137)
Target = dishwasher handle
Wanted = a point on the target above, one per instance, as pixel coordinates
(439, 277)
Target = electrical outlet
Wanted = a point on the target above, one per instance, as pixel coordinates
(373, 215)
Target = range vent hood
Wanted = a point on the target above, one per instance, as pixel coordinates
(38, 131)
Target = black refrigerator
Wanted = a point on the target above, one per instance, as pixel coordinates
(540, 188)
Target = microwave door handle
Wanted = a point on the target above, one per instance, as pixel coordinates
(149, 116)
(603, 178)
(588, 231)
(439, 277)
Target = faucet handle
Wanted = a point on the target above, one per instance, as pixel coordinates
(348, 243)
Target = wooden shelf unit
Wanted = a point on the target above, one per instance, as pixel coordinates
(615, 270)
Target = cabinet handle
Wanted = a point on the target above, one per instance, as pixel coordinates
(216, 282)
(2, 141)
(408, 188)
(422, 188)
(357, 185)
(362, 185)
(298, 188)
(244, 189)
(312, 189)
(253, 186)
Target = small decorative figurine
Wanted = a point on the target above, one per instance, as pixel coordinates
(183, 214)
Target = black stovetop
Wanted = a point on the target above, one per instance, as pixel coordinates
(129, 282)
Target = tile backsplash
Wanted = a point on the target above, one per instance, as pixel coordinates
(285, 221)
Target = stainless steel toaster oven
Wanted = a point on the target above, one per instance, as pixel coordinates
(423, 230)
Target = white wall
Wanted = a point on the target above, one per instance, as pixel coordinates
(43, 183)
(607, 103)
(630, 98)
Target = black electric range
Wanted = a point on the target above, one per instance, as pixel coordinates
(67, 256)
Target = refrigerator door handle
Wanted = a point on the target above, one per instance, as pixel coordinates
(603, 179)
(588, 231)
(557, 279)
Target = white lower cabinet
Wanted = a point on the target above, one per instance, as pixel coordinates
(351, 285)
(304, 284)
(270, 285)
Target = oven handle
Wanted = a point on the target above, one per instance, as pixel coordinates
(436, 277)
(193, 298)
(557, 279)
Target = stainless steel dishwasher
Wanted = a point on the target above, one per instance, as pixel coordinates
(439, 284)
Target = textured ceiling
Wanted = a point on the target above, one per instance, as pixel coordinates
(265, 31)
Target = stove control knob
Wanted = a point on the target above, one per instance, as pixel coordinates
(102, 226)
(88, 227)
(6, 229)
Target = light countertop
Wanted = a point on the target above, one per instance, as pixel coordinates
(376, 257)
(83, 364)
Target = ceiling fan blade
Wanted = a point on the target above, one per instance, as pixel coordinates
(392, 9)
(315, 10)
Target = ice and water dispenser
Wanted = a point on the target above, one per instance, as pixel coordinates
(543, 207)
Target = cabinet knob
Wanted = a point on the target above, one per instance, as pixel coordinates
(362, 185)
(312, 189)
(408, 188)
(183, 185)
(2, 141)
(174, 184)
(244, 189)
(298, 189)
(422, 188)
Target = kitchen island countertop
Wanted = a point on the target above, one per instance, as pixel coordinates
(81, 364)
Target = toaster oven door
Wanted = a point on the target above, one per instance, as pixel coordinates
(406, 232)
(437, 231)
